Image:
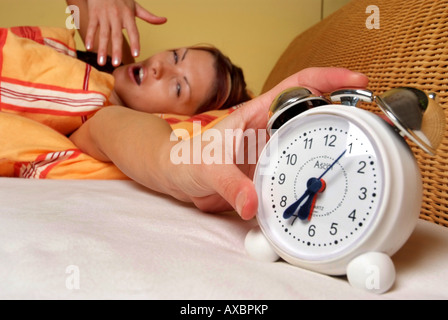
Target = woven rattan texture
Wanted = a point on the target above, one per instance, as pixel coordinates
(410, 48)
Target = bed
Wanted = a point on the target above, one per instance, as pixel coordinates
(113, 239)
(116, 240)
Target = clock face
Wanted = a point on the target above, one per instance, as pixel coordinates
(320, 184)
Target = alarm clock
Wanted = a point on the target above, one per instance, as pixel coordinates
(339, 189)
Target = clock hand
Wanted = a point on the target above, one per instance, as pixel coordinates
(289, 212)
(306, 211)
(332, 165)
(313, 187)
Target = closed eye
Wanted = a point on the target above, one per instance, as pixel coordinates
(176, 60)
(175, 56)
(178, 89)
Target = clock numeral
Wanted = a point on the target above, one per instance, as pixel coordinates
(333, 229)
(363, 165)
(291, 159)
(330, 140)
(281, 179)
(308, 143)
(312, 230)
(350, 147)
(352, 215)
(283, 201)
(363, 195)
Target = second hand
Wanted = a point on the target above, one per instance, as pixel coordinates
(332, 165)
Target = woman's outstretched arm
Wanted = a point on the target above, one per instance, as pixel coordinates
(141, 146)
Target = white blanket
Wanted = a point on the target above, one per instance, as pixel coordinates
(115, 240)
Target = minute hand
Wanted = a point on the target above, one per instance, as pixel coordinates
(332, 165)
(311, 191)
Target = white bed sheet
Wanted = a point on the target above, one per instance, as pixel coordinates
(116, 240)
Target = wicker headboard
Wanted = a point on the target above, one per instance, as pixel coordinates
(410, 48)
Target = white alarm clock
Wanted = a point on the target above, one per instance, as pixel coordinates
(339, 189)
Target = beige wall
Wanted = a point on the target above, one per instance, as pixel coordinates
(252, 32)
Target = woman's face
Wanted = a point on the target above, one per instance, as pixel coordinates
(177, 81)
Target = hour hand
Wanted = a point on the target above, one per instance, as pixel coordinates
(291, 210)
(306, 211)
(314, 186)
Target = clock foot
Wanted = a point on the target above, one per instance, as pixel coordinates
(372, 271)
(258, 247)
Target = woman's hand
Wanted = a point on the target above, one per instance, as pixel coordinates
(108, 18)
(220, 187)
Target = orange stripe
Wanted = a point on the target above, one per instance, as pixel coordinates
(3, 35)
(47, 111)
(172, 120)
(47, 86)
(32, 33)
(32, 167)
(203, 118)
(76, 152)
(85, 86)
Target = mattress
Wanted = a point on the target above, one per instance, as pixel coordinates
(93, 239)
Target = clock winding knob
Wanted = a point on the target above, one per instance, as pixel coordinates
(352, 97)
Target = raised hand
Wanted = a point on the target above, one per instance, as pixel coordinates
(107, 19)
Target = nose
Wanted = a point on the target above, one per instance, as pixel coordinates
(160, 69)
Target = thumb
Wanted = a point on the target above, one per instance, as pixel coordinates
(147, 16)
(238, 190)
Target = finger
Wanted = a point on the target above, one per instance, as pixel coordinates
(103, 42)
(134, 37)
(117, 43)
(147, 16)
(90, 34)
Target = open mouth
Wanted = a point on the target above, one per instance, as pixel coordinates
(138, 74)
